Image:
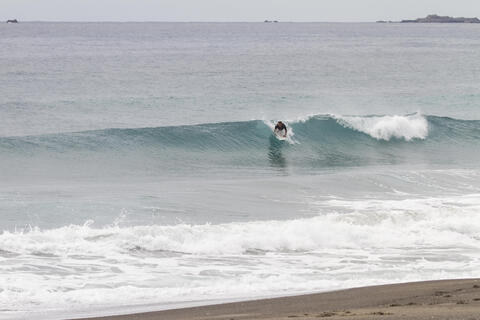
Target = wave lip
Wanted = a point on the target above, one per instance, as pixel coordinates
(407, 127)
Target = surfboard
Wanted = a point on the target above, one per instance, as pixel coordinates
(279, 134)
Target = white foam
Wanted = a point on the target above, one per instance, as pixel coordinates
(387, 127)
(357, 243)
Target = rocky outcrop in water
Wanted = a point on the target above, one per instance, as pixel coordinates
(12, 21)
(433, 18)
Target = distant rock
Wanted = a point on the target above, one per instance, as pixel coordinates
(12, 21)
(270, 21)
(433, 18)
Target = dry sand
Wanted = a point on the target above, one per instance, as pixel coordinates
(444, 299)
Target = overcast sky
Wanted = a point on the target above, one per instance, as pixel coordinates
(232, 10)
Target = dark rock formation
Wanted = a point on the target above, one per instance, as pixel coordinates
(12, 21)
(433, 18)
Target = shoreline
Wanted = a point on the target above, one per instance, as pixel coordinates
(441, 299)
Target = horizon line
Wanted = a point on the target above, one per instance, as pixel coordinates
(195, 21)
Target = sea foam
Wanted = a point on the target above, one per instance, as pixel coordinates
(358, 242)
(387, 127)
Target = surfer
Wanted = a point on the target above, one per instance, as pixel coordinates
(281, 127)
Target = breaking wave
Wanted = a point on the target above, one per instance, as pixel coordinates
(318, 141)
(147, 264)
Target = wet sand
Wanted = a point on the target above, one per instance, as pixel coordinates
(443, 299)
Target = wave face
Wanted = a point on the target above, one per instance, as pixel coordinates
(317, 142)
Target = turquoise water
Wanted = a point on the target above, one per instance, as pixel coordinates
(314, 144)
(138, 169)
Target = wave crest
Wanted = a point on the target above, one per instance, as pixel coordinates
(387, 127)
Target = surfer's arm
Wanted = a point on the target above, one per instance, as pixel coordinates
(285, 135)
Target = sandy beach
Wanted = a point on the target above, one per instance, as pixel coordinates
(443, 299)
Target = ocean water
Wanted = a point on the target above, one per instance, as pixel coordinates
(138, 170)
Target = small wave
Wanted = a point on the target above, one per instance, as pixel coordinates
(253, 133)
(318, 141)
(449, 222)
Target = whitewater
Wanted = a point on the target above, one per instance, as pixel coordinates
(138, 169)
